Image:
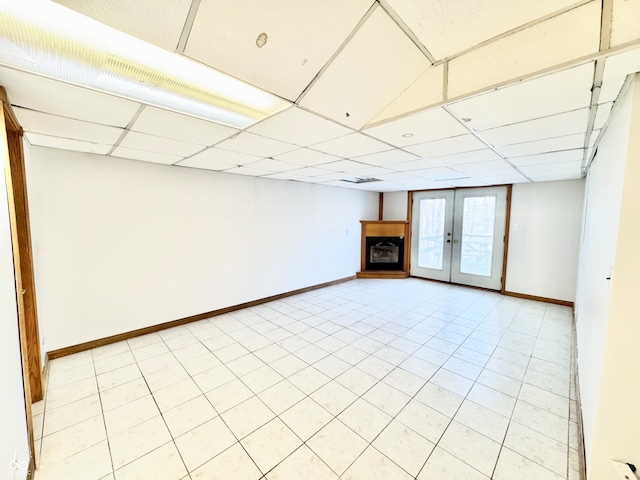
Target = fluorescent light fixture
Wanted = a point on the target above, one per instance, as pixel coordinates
(42, 37)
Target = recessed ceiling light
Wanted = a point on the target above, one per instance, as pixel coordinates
(407, 135)
(42, 37)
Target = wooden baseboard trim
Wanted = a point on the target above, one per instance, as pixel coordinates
(81, 347)
(564, 303)
(382, 274)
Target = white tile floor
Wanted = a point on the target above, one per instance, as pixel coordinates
(369, 379)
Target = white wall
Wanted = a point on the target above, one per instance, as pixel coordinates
(394, 206)
(124, 244)
(13, 425)
(544, 238)
(607, 312)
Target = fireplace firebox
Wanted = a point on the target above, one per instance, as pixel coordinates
(384, 253)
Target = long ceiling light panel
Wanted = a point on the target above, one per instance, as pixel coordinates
(42, 37)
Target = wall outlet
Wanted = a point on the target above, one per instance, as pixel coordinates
(624, 471)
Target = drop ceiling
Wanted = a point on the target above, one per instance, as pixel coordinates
(415, 94)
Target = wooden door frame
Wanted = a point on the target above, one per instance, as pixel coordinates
(16, 186)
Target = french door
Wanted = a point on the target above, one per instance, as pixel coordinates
(458, 235)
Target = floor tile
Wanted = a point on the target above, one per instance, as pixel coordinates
(117, 377)
(204, 442)
(302, 463)
(271, 444)
(387, 398)
(305, 418)
(365, 419)
(545, 400)
(337, 445)
(247, 417)
(443, 465)
(424, 420)
(356, 380)
(440, 399)
(62, 417)
(261, 379)
(334, 397)
(281, 396)
(372, 465)
(537, 447)
(92, 463)
(229, 395)
(131, 414)
(482, 420)
(137, 441)
(452, 382)
(58, 397)
(405, 447)
(542, 421)
(288, 365)
(71, 440)
(500, 382)
(511, 465)
(118, 396)
(213, 378)
(331, 366)
(166, 377)
(188, 415)
(309, 379)
(163, 463)
(404, 381)
(477, 450)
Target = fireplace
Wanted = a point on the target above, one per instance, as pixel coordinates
(384, 253)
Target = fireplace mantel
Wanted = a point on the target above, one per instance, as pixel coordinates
(384, 228)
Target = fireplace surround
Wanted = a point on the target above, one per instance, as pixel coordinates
(384, 249)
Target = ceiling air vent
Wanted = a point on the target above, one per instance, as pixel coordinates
(361, 180)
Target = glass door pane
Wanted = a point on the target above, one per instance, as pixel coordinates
(431, 234)
(478, 220)
(432, 220)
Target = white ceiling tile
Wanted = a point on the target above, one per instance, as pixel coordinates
(548, 127)
(528, 51)
(387, 158)
(204, 165)
(395, 176)
(446, 146)
(273, 165)
(66, 143)
(622, 64)
(37, 122)
(342, 166)
(594, 137)
(152, 157)
(483, 155)
(57, 98)
(413, 165)
(251, 172)
(256, 145)
(310, 172)
(467, 182)
(305, 156)
(328, 177)
(504, 179)
(551, 167)
(569, 174)
(541, 146)
(423, 127)
(624, 27)
(602, 115)
(377, 64)
(214, 157)
(546, 158)
(556, 93)
(476, 168)
(439, 174)
(282, 176)
(427, 90)
(353, 145)
(368, 171)
(301, 37)
(164, 123)
(299, 127)
(157, 22)
(166, 146)
(447, 27)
